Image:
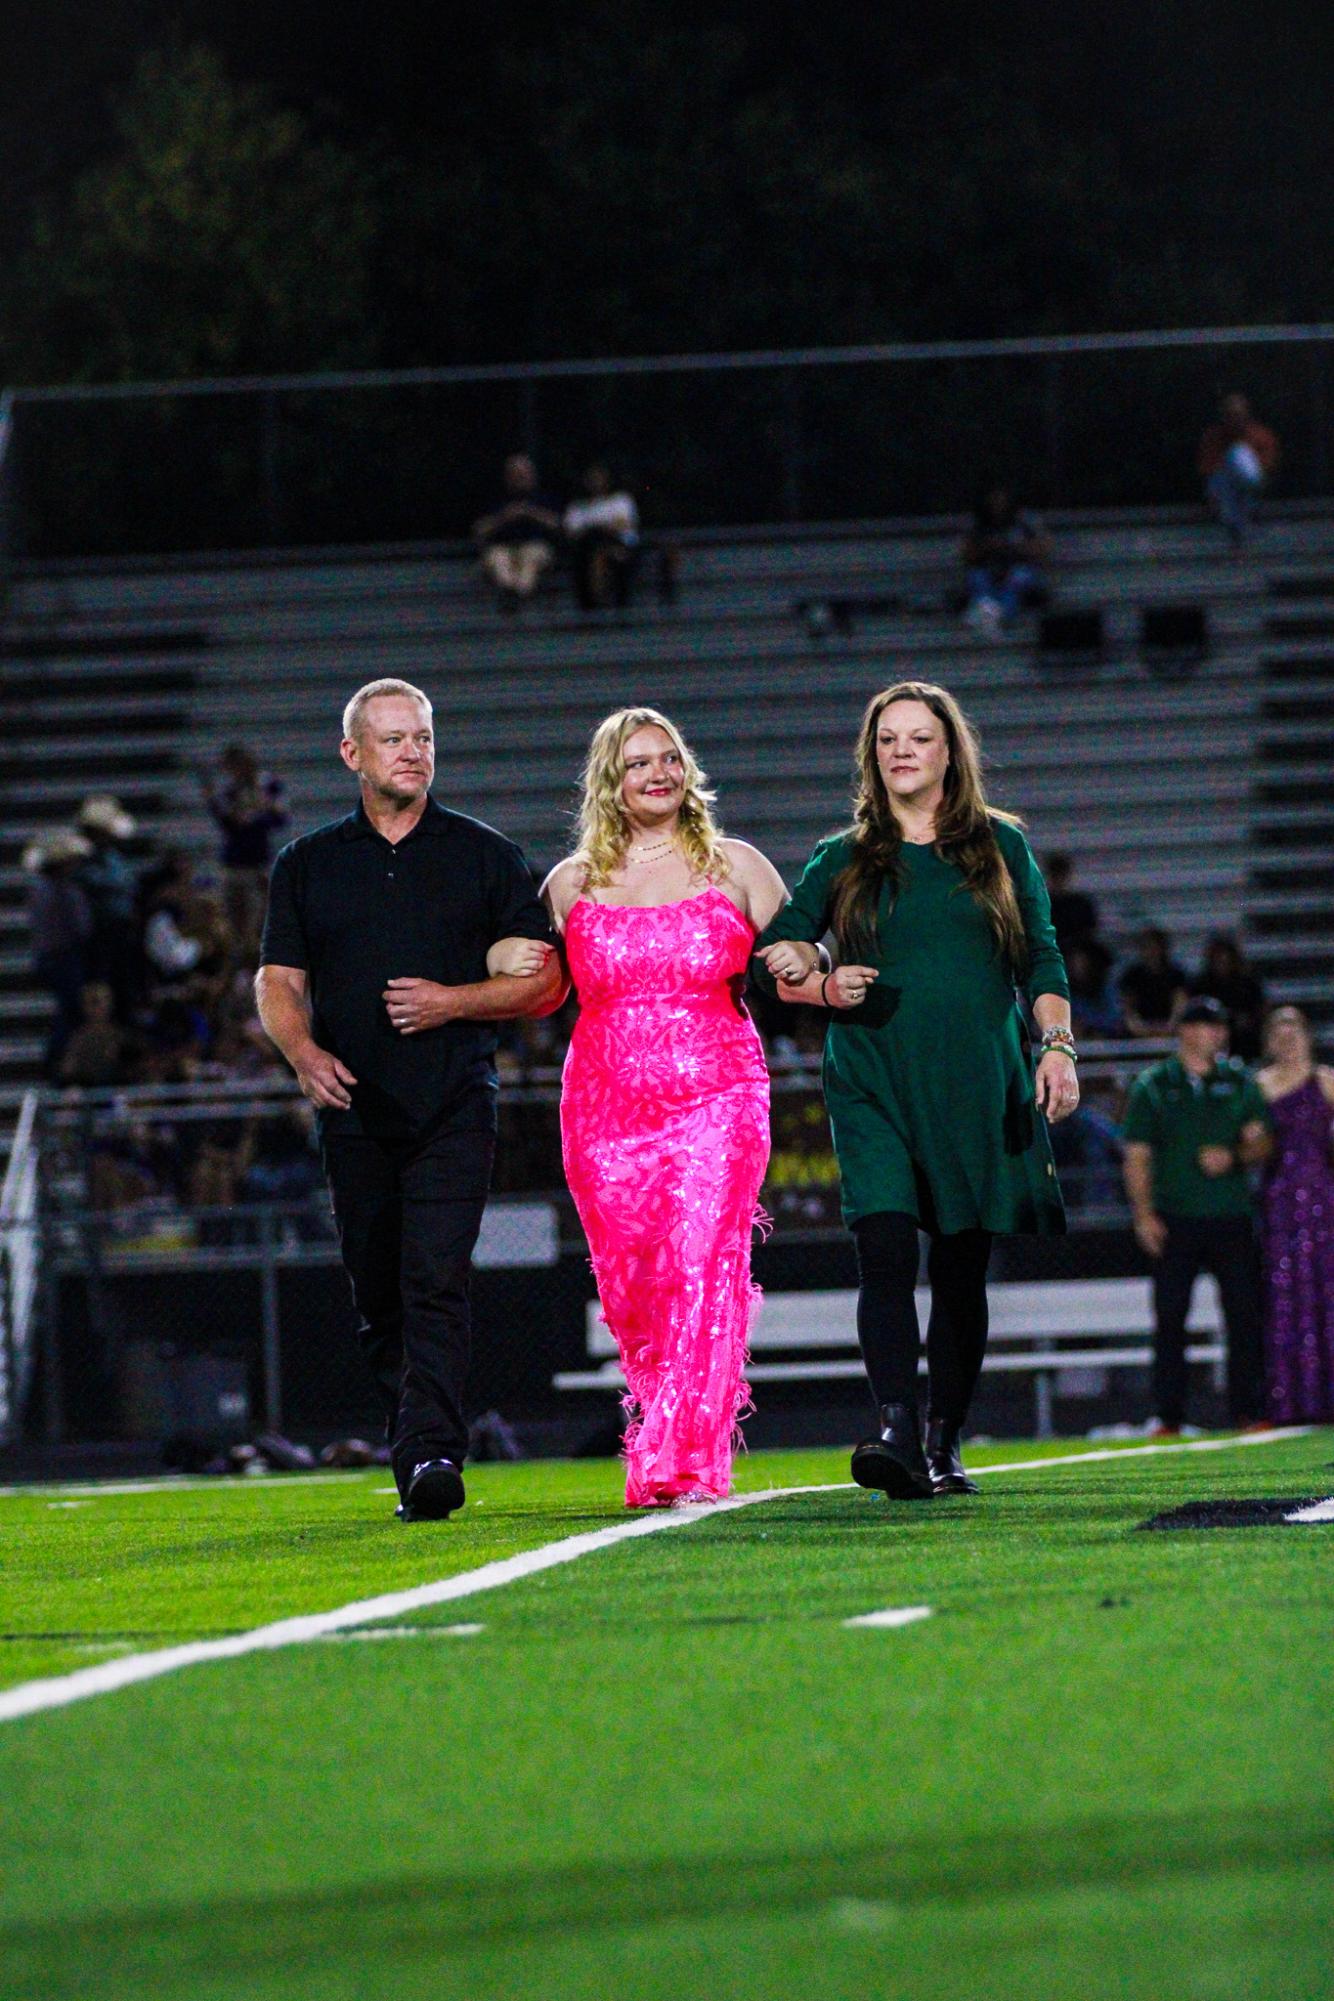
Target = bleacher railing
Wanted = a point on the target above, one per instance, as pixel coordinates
(709, 440)
(116, 1222)
(18, 1265)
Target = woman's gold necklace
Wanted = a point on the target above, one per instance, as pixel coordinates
(640, 857)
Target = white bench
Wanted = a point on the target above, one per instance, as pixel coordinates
(1065, 1333)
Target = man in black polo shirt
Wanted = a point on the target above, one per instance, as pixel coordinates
(1194, 1124)
(373, 984)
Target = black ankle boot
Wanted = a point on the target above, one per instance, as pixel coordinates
(944, 1460)
(893, 1462)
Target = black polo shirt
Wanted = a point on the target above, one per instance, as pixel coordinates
(353, 912)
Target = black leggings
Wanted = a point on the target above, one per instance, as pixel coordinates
(956, 1335)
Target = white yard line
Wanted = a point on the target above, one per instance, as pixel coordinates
(184, 1483)
(893, 1615)
(58, 1691)
(1274, 1437)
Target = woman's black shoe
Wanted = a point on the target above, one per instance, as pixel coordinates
(944, 1460)
(893, 1462)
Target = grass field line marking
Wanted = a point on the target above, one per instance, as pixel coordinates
(1319, 1511)
(343, 1639)
(58, 1691)
(893, 1615)
(183, 1483)
(29, 1698)
(1277, 1436)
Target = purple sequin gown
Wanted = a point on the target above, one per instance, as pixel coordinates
(1298, 1238)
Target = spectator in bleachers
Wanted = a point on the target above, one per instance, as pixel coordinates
(1195, 1124)
(518, 540)
(1094, 1008)
(1074, 914)
(1005, 555)
(60, 926)
(100, 1051)
(187, 937)
(602, 530)
(110, 881)
(1297, 1224)
(1227, 977)
(1238, 459)
(250, 807)
(1152, 986)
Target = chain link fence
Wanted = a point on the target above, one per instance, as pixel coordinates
(707, 440)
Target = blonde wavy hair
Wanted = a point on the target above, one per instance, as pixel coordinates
(604, 825)
(965, 832)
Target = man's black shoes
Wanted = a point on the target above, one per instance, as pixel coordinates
(433, 1493)
(894, 1462)
(944, 1460)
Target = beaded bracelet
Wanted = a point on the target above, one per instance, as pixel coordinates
(1061, 1040)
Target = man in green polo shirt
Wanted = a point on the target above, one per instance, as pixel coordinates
(1194, 1124)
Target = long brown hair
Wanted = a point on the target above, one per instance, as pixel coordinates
(965, 832)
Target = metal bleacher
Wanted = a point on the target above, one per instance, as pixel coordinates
(1197, 797)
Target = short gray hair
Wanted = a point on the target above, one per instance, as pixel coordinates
(356, 708)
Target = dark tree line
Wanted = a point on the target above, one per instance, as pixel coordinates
(215, 187)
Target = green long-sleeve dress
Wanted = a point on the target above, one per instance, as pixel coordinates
(929, 1082)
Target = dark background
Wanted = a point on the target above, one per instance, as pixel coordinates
(224, 187)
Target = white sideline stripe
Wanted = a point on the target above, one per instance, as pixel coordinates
(270, 1483)
(1320, 1511)
(1273, 1437)
(182, 1483)
(893, 1615)
(58, 1691)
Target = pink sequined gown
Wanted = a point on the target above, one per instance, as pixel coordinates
(665, 1132)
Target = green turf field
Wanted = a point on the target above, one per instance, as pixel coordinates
(1101, 1767)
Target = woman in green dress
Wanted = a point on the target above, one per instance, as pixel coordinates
(938, 913)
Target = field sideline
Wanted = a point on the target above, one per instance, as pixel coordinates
(1099, 1766)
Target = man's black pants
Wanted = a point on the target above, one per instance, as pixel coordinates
(1225, 1246)
(408, 1212)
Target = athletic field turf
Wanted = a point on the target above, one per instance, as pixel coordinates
(1099, 1765)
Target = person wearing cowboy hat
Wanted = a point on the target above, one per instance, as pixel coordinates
(110, 881)
(1195, 1124)
(60, 927)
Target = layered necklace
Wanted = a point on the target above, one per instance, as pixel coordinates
(653, 852)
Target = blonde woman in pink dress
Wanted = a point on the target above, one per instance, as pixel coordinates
(665, 1099)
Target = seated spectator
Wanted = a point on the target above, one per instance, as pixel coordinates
(1004, 554)
(187, 939)
(1238, 459)
(110, 881)
(1074, 914)
(60, 929)
(1094, 1008)
(1225, 976)
(518, 540)
(1152, 987)
(603, 534)
(99, 1052)
(250, 807)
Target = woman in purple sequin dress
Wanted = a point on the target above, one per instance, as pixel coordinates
(1298, 1225)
